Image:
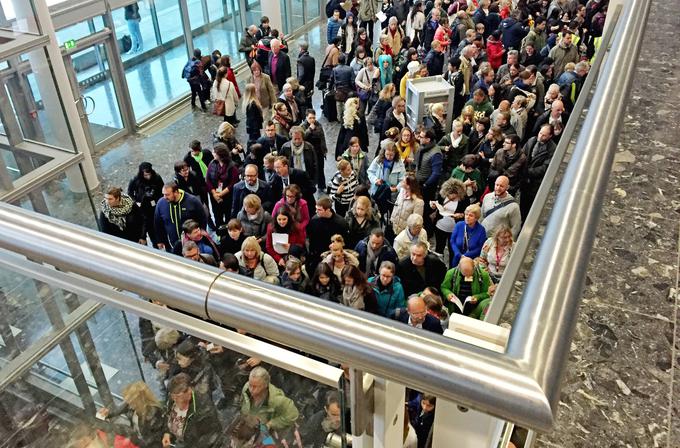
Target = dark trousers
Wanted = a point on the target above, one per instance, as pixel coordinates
(196, 92)
(442, 240)
(320, 175)
(429, 194)
(369, 26)
(340, 209)
(221, 210)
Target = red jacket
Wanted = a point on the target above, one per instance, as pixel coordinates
(296, 237)
(494, 53)
(231, 77)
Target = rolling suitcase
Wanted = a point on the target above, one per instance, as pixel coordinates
(328, 107)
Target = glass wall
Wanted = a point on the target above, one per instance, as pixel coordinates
(80, 30)
(82, 379)
(224, 31)
(35, 101)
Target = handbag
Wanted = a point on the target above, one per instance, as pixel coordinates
(218, 105)
(325, 74)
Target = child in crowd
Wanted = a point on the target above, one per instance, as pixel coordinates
(231, 237)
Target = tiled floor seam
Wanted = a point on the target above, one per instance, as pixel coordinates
(632, 311)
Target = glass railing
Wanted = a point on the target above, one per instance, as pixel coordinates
(103, 373)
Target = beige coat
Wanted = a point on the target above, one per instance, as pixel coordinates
(403, 208)
(267, 92)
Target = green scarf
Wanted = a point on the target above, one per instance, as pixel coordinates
(201, 163)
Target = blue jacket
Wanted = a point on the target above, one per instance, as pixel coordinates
(170, 216)
(393, 178)
(386, 254)
(332, 29)
(476, 238)
(390, 298)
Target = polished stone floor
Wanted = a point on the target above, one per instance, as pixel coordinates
(619, 386)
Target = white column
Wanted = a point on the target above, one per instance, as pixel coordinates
(388, 416)
(70, 110)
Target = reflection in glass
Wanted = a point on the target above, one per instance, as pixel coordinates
(36, 102)
(97, 91)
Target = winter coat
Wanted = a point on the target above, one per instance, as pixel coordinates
(392, 178)
(134, 225)
(170, 216)
(480, 290)
(202, 428)
(389, 298)
(403, 208)
(256, 227)
(476, 236)
(278, 412)
(226, 91)
(494, 53)
(266, 269)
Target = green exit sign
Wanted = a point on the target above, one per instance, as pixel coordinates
(70, 44)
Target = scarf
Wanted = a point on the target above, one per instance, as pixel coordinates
(352, 297)
(297, 157)
(253, 188)
(201, 163)
(371, 259)
(117, 215)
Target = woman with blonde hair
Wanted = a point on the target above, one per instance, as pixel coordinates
(253, 112)
(264, 89)
(353, 125)
(467, 117)
(141, 414)
(337, 257)
(496, 252)
(468, 236)
(436, 120)
(224, 97)
(256, 263)
(360, 221)
(226, 134)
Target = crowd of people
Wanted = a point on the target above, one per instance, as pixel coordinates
(415, 229)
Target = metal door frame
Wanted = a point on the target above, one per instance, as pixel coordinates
(106, 40)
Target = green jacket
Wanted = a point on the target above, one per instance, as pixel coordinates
(277, 410)
(480, 289)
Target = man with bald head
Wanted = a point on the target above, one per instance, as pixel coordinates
(466, 289)
(416, 315)
(278, 67)
(539, 151)
(555, 116)
(499, 208)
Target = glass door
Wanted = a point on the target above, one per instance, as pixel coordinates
(95, 93)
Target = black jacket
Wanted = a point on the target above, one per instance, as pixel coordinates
(390, 121)
(254, 118)
(358, 130)
(194, 185)
(202, 428)
(264, 192)
(320, 230)
(306, 67)
(308, 154)
(283, 69)
(302, 180)
(431, 323)
(537, 163)
(134, 225)
(413, 283)
(151, 428)
(343, 77)
(146, 192)
(272, 146)
(387, 253)
(207, 157)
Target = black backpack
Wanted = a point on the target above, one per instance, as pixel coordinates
(329, 8)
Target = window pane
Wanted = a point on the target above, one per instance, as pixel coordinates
(223, 33)
(80, 30)
(196, 13)
(169, 19)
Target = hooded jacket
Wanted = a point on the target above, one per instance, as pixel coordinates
(170, 216)
(389, 298)
(277, 410)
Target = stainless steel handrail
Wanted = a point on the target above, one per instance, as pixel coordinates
(521, 385)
